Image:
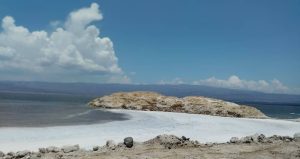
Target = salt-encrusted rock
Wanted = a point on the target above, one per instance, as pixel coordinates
(191, 104)
(247, 139)
(261, 138)
(167, 139)
(297, 136)
(68, 149)
(234, 140)
(257, 138)
(111, 143)
(52, 149)
(172, 141)
(21, 154)
(2, 154)
(128, 141)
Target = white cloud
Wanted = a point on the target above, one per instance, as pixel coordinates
(234, 82)
(76, 47)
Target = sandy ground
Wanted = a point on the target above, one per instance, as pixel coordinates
(280, 150)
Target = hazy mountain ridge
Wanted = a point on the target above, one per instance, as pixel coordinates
(91, 90)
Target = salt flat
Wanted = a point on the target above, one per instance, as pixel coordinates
(143, 126)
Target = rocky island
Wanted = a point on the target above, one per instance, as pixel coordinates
(151, 101)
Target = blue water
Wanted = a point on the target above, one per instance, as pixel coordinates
(34, 113)
(277, 110)
(39, 110)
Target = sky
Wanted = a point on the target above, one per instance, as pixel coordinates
(252, 45)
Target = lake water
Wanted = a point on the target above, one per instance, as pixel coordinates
(278, 110)
(36, 110)
(24, 113)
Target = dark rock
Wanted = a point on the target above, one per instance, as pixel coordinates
(68, 149)
(95, 148)
(185, 138)
(128, 141)
(234, 140)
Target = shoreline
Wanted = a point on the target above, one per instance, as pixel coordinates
(143, 125)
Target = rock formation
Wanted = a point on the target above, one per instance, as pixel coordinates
(150, 101)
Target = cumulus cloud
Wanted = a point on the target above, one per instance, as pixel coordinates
(75, 47)
(234, 82)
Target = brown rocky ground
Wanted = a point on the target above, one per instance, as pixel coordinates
(282, 150)
(172, 147)
(151, 101)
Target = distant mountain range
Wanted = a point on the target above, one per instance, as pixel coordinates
(88, 91)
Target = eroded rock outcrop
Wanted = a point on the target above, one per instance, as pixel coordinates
(150, 101)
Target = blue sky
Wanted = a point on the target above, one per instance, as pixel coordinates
(237, 43)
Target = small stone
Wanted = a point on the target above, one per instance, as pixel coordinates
(297, 137)
(128, 141)
(95, 148)
(234, 140)
(68, 149)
